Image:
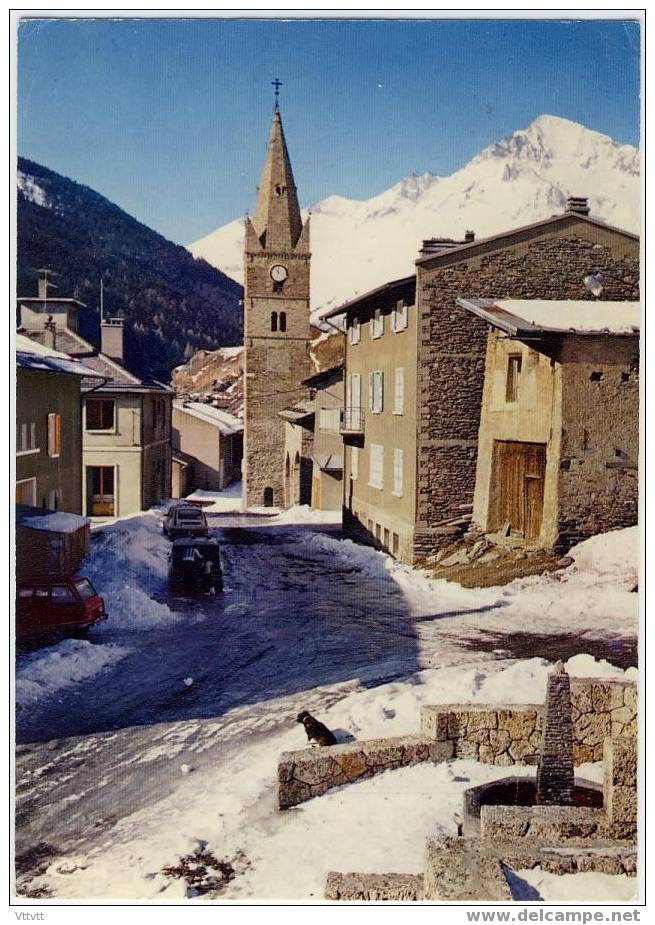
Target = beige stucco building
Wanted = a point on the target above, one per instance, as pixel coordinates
(49, 427)
(126, 421)
(326, 390)
(558, 443)
(410, 476)
(211, 443)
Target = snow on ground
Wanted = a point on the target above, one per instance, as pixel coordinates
(48, 671)
(304, 514)
(307, 621)
(128, 565)
(530, 885)
(374, 825)
(226, 501)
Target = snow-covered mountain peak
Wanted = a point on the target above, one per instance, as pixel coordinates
(359, 244)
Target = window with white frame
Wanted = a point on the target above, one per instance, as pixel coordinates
(376, 468)
(399, 391)
(377, 323)
(354, 462)
(376, 391)
(398, 473)
(26, 439)
(355, 331)
(399, 316)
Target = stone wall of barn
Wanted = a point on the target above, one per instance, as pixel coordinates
(598, 473)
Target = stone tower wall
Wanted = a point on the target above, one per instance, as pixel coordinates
(275, 363)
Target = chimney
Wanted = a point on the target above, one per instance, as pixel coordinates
(111, 339)
(469, 237)
(43, 284)
(50, 333)
(578, 204)
(436, 245)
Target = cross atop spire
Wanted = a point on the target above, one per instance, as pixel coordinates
(277, 83)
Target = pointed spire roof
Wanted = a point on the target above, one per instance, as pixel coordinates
(277, 219)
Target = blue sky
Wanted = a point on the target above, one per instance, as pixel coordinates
(169, 118)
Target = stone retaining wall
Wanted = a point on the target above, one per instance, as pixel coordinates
(313, 771)
(506, 735)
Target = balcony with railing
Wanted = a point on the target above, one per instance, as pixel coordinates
(351, 420)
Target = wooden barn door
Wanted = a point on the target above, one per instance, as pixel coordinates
(520, 471)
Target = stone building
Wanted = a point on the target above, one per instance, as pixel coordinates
(405, 485)
(276, 321)
(558, 445)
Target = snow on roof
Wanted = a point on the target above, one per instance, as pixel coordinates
(32, 355)
(231, 351)
(582, 317)
(49, 521)
(226, 422)
(567, 316)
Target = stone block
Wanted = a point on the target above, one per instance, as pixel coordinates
(499, 739)
(387, 755)
(519, 723)
(293, 793)
(523, 752)
(285, 769)
(601, 697)
(581, 695)
(486, 719)
(592, 728)
(442, 751)
(313, 771)
(459, 869)
(630, 698)
(466, 749)
(538, 824)
(622, 715)
(355, 887)
(619, 765)
(352, 765)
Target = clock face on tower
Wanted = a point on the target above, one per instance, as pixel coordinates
(279, 273)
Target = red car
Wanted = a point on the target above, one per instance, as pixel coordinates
(67, 605)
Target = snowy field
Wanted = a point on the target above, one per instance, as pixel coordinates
(160, 736)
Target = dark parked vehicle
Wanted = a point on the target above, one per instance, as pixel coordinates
(195, 565)
(185, 520)
(66, 605)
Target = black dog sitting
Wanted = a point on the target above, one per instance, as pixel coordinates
(317, 733)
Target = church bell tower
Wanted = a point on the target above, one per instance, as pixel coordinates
(276, 320)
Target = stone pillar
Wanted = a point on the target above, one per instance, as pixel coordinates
(555, 775)
(620, 786)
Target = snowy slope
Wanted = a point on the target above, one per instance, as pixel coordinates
(357, 245)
